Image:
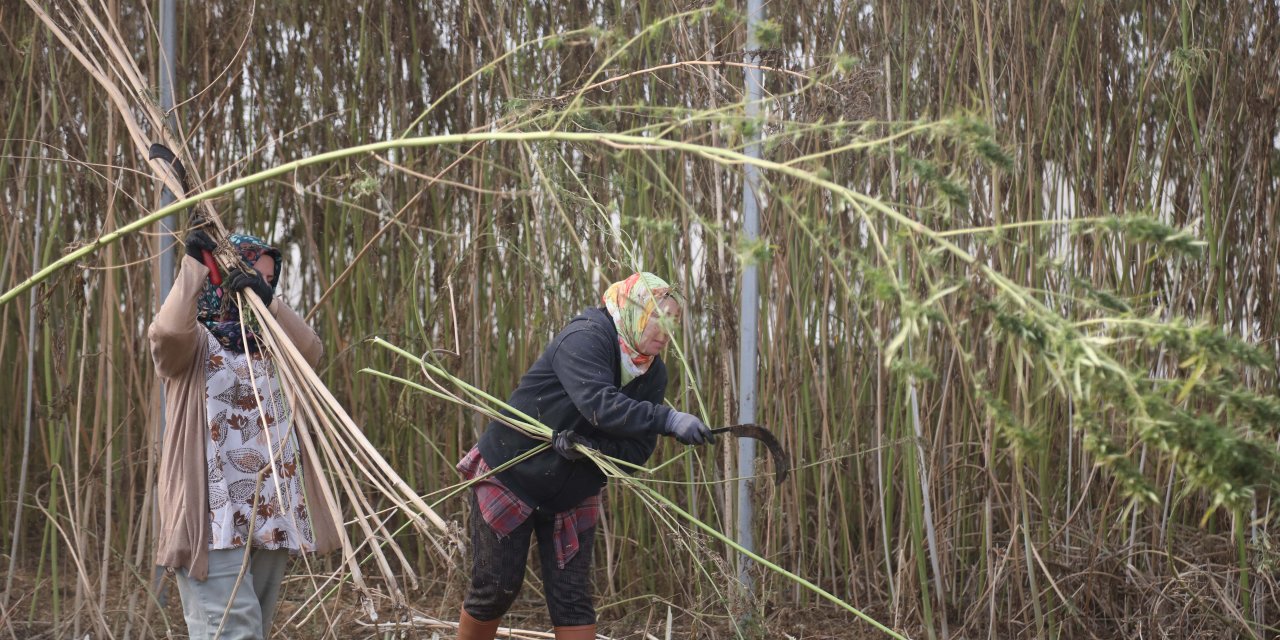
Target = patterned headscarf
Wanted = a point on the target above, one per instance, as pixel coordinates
(215, 309)
(632, 302)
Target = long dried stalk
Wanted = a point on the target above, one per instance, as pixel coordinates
(328, 435)
(1077, 93)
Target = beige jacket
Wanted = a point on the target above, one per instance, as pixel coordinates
(179, 349)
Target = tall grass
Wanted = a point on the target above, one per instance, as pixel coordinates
(1077, 384)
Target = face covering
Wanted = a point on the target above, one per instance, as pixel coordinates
(631, 303)
(216, 311)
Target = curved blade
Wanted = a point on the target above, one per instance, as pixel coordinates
(756, 432)
(162, 152)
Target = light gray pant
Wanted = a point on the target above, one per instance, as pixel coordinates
(248, 608)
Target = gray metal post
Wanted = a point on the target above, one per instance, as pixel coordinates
(749, 311)
(168, 53)
(26, 414)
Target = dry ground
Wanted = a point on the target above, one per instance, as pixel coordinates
(623, 621)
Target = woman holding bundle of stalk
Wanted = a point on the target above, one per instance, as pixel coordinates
(232, 498)
(600, 384)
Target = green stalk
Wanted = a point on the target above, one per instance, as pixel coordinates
(529, 425)
(607, 465)
(622, 49)
(487, 67)
(1219, 270)
(763, 562)
(722, 156)
(1025, 528)
(1240, 534)
(916, 528)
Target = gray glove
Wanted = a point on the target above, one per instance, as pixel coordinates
(687, 428)
(563, 442)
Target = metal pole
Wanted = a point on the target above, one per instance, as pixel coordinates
(749, 311)
(26, 415)
(168, 53)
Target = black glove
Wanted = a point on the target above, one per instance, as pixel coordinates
(687, 428)
(250, 280)
(197, 243)
(563, 442)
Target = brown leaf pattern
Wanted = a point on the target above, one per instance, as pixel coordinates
(217, 497)
(215, 364)
(219, 428)
(242, 491)
(215, 471)
(246, 460)
(268, 511)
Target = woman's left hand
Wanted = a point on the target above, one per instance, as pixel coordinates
(245, 280)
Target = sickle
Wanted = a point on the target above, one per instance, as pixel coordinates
(162, 152)
(756, 432)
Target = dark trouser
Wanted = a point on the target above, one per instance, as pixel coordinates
(498, 565)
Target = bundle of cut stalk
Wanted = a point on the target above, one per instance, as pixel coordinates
(664, 510)
(347, 464)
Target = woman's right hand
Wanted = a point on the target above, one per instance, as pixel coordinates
(197, 243)
(687, 428)
(562, 442)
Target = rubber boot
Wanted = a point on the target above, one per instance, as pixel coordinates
(580, 632)
(471, 629)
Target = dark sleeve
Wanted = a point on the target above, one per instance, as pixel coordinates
(583, 364)
(637, 450)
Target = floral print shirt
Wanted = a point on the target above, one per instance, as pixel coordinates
(248, 436)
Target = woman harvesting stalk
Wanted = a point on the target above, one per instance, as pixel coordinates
(599, 384)
(231, 475)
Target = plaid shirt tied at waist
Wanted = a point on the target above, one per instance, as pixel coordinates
(503, 511)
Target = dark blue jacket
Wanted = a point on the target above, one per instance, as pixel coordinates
(576, 384)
